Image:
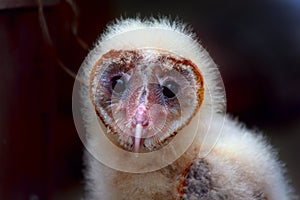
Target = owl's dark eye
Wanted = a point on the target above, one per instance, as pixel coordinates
(118, 84)
(170, 89)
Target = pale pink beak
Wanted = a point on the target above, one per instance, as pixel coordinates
(141, 120)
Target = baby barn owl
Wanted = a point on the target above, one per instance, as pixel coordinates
(149, 106)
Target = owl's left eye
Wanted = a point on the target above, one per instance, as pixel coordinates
(118, 84)
(170, 89)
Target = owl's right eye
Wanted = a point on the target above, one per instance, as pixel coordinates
(118, 84)
(170, 89)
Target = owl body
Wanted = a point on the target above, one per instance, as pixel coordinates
(240, 166)
(153, 112)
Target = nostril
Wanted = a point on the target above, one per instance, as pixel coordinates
(135, 121)
(145, 123)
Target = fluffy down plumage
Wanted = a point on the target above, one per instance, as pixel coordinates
(224, 160)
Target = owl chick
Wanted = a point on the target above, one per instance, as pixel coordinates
(152, 117)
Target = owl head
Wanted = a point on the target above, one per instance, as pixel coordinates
(146, 80)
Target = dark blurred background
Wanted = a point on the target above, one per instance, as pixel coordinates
(256, 44)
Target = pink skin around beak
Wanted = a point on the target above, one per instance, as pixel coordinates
(141, 120)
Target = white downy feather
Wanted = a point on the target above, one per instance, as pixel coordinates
(241, 161)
